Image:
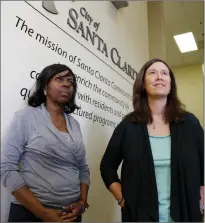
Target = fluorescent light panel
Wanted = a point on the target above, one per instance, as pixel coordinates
(186, 42)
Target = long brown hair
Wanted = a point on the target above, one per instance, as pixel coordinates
(174, 109)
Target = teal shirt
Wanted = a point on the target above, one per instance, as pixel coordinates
(161, 152)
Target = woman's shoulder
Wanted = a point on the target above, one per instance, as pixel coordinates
(126, 122)
(26, 111)
(190, 118)
(22, 116)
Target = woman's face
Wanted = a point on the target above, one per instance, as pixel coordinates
(157, 82)
(60, 88)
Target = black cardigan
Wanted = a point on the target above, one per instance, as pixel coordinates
(130, 144)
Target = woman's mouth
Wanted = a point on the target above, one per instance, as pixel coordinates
(65, 94)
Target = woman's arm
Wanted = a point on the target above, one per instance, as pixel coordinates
(111, 160)
(12, 150)
(84, 174)
(200, 145)
(199, 131)
(84, 180)
(29, 201)
(116, 190)
(84, 193)
(199, 136)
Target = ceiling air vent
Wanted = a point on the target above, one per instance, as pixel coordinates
(120, 4)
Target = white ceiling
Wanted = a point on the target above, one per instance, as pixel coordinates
(181, 17)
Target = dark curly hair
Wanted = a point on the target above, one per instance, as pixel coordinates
(38, 97)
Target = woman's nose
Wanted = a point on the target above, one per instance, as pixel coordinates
(159, 76)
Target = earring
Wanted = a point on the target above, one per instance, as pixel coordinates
(67, 108)
(45, 92)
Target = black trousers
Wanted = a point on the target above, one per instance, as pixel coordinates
(18, 213)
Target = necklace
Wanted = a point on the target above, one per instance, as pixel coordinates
(58, 123)
(154, 125)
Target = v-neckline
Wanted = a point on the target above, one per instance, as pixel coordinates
(53, 128)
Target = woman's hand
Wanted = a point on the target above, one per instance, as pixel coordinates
(52, 215)
(202, 199)
(123, 204)
(74, 210)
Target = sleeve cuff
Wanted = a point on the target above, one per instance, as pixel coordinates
(85, 180)
(14, 182)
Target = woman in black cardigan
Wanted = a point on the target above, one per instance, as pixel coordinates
(162, 149)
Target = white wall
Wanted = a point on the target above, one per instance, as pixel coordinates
(156, 30)
(190, 84)
(126, 29)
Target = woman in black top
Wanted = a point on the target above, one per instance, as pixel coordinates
(157, 113)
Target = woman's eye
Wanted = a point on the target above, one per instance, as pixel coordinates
(70, 83)
(58, 79)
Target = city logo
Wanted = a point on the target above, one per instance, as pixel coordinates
(50, 7)
(84, 24)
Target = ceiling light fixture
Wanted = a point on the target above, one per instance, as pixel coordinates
(186, 42)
